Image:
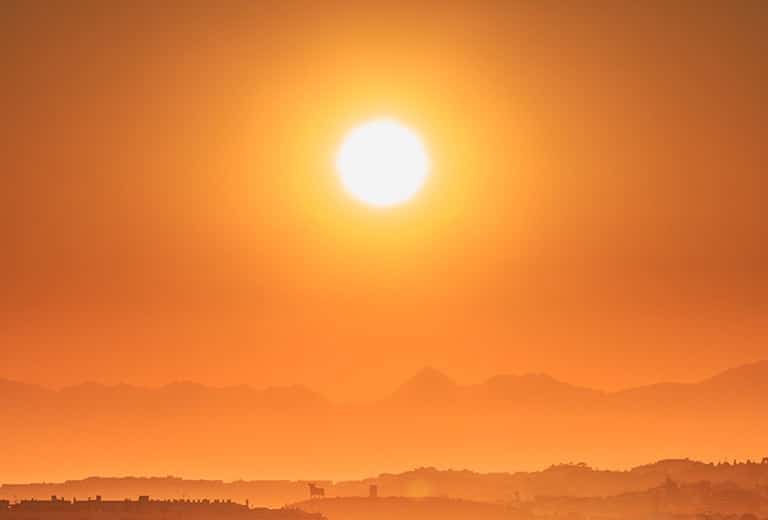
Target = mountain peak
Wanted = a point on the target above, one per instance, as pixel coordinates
(428, 385)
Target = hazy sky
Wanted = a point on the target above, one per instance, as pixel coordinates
(169, 208)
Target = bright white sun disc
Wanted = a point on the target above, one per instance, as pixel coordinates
(382, 163)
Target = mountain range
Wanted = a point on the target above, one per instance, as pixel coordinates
(506, 422)
(746, 384)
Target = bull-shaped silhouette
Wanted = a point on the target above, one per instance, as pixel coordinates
(315, 491)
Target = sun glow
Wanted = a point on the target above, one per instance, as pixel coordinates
(382, 163)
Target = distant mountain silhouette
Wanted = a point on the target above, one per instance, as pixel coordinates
(751, 378)
(9, 390)
(534, 388)
(507, 421)
(427, 387)
(739, 387)
(174, 395)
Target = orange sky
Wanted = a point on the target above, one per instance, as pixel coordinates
(169, 209)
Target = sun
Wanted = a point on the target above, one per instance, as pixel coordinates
(382, 163)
